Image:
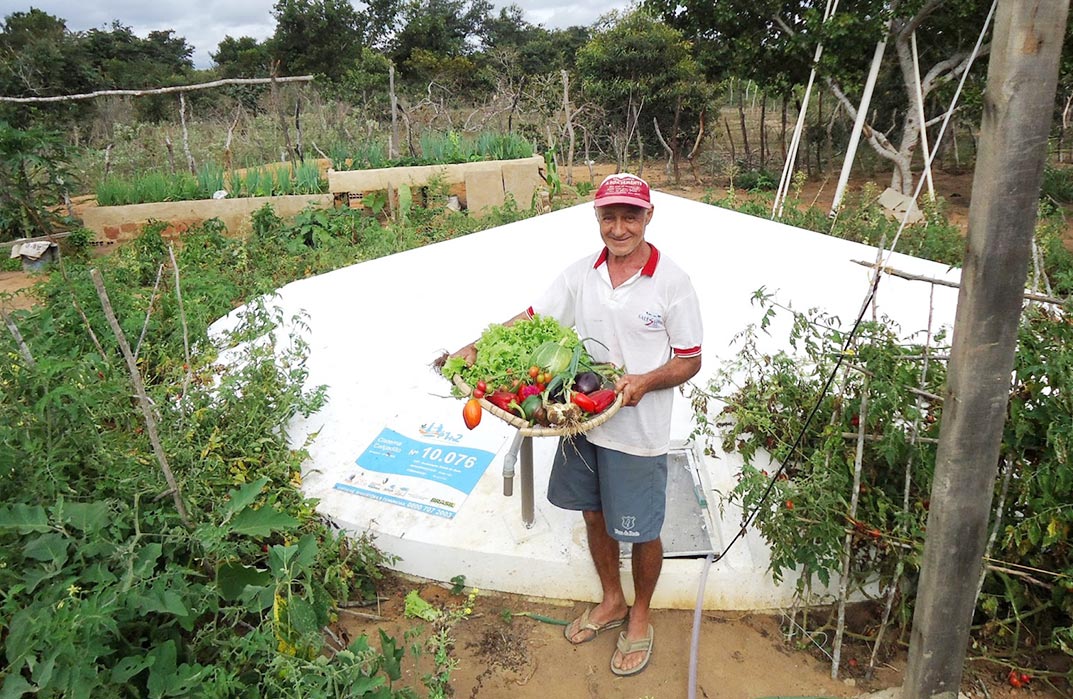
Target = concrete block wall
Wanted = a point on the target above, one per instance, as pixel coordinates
(486, 183)
(117, 224)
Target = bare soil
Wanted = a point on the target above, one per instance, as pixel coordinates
(15, 290)
(504, 652)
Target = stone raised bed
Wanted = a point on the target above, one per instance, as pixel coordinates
(117, 224)
(478, 186)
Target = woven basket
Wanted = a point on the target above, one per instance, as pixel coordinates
(528, 430)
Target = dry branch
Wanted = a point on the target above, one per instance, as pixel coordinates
(159, 90)
(143, 398)
(954, 285)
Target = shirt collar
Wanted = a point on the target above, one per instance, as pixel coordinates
(648, 270)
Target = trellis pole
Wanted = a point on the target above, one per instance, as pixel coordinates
(892, 588)
(1018, 102)
(858, 123)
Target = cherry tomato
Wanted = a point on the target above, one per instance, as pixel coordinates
(471, 413)
(482, 386)
(478, 393)
(534, 371)
(789, 504)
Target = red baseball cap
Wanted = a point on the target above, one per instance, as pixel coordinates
(623, 188)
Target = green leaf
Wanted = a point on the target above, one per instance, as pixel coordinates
(261, 522)
(129, 667)
(86, 516)
(363, 686)
(242, 498)
(23, 518)
(146, 559)
(415, 606)
(392, 656)
(51, 547)
(161, 668)
(15, 687)
(232, 579)
(301, 617)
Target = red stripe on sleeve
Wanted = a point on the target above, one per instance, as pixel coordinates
(687, 352)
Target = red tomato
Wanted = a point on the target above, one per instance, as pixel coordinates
(482, 386)
(471, 413)
(534, 371)
(478, 393)
(789, 504)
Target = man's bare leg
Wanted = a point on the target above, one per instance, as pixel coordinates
(647, 564)
(605, 556)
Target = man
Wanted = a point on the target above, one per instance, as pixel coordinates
(643, 312)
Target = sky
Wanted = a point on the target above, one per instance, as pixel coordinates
(203, 23)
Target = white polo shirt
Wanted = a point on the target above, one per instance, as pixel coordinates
(641, 324)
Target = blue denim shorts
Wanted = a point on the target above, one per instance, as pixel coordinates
(631, 491)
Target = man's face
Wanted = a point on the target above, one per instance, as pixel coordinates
(622, 227)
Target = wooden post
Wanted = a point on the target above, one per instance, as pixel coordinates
(1018, 103)
(393, 149)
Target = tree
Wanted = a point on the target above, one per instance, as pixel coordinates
(438, 31)
(756, 37)
(39, 56)
(244, 57)
(636, 69)
(323, 37)
(34, 174)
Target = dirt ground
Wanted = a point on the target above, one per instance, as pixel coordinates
(14, 290)
(503, 652)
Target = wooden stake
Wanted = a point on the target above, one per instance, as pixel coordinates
(393, 146)
(171, 152)
(24, 350)
(571, 140)
(189, 373)
(186, 136)
(143, 398)
(148, 312)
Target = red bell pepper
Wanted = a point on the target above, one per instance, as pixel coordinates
(603, 399)
(501, 399)
(584, 402)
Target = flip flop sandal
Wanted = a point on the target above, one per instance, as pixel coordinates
(625, 647)
(586, 624)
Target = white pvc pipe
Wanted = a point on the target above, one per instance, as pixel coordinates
(858, 123)
(791, 154)
(920, 116)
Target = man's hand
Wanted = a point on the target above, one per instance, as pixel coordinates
(469, 353)
(675, 372)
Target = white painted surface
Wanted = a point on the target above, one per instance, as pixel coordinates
(375, 327)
